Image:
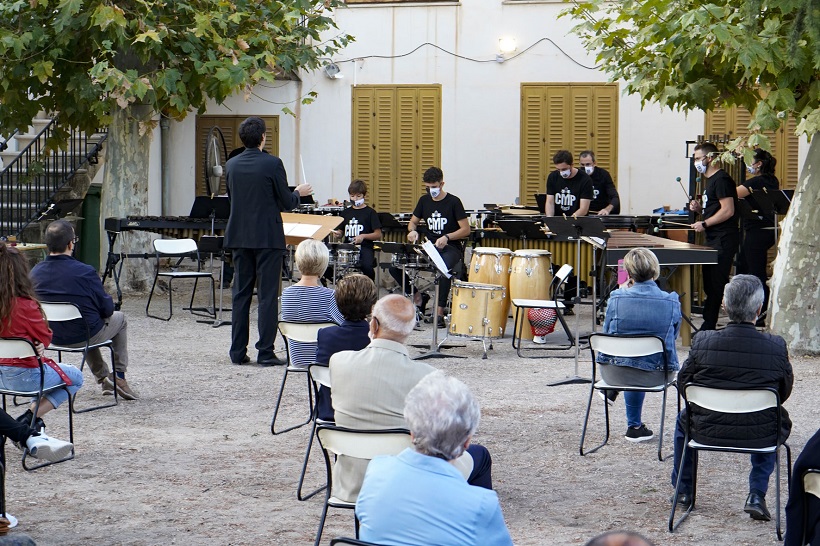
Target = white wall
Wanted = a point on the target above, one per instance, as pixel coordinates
(480, 103)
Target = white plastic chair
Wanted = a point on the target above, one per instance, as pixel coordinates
(179, 248)
(811, 486)
(557, 282)
(626, 346)
(320, 376)
(362, 444)
(734, 402)
(67, 312)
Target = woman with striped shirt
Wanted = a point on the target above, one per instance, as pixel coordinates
(308, 300)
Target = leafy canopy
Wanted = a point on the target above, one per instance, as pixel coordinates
(84, 58)
(763, 55)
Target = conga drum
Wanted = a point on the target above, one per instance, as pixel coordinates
(478, 310)
(530, 279)
(491, 265)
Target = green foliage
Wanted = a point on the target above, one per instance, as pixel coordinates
(763, 55)
(84, 58)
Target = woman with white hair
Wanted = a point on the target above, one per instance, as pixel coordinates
(418, 496)
(639, 307)
(308, 300)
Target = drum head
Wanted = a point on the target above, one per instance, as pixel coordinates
(492, 250)
(532, 253)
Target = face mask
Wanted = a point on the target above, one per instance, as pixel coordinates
(751, 168)
(359, 202)
(589, 170)
(565, 174)
(434, 192)
(700, 167)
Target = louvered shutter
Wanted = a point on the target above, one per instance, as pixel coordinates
(582, 120)
(533, 143)
(384, 167)
(363, 141)
(605, 130)
(407, 152)
(429, 139)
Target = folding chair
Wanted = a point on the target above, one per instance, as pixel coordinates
(362, 444)
(304, 332)
(319, 375)
(23, 348)
(625, 346)
(526, 304)
(351, 541)
(734, 402)
(67, 312)
(179, 248)
(811, 486)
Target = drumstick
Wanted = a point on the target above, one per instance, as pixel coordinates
(662, 221)
(684, 189)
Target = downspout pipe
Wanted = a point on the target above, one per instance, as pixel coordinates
(165, 156)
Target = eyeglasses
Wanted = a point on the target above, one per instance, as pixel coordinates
(75, 240)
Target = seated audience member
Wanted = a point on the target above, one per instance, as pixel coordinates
(61, 278)
(308, 300)
(38, 443)
(355, 296)
(418, 496)
(737, 357)
(369, 388)
(801, 510)
(639, 307)
(21, 316)
(619, 538)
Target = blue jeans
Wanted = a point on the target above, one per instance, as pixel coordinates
(633, 400)
(28, 379)
(762, 464)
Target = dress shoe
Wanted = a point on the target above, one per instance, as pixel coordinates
(245, 360)
(756, 507)
(684, 499)
(271, 362)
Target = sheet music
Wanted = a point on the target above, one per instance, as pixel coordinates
(430, 249)
(595, 241)
(300, 230)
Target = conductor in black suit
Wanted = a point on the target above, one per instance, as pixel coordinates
(258, 191)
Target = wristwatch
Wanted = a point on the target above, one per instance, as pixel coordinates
(703, 223)
(448, 237)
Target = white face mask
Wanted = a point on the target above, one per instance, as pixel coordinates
(359, 202)
(751, 168)
(435, 192)
(565, 174)
(589, 169)
(700, 167)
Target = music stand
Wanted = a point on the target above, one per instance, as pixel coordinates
(214, 245)
(577, 229)
(525, 229)
(388, 221)
(212, 207)
(440, 271)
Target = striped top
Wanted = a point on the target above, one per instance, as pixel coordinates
(308, 304)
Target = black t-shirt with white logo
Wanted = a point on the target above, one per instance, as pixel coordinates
(441, 217)
(604, 192)
(568, 192)
(719, 186)
(359, 222)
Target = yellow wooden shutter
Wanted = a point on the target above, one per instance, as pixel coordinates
(363, 141)
(407, 152)
(533, 145)
(604, 133)
(582, 120)
(429, 136)
(383, 153)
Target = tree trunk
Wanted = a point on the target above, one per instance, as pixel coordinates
(795, 294)
(125, 188)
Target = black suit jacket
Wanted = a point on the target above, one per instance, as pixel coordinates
(809, 458)
(258, 190)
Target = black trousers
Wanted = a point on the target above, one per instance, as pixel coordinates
(366, 262)
(14, 429)
(715, 277)
(262, 266)
(451, 256)
(754, 255)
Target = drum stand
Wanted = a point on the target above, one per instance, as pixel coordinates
(435, 346)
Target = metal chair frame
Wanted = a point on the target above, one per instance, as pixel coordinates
(351, 541)
(319, 375)
(737, 402)
(179, 248)
(15, 347)
(558, 280)
(305, 332)
(626, 346)
(66, 312)
(362, 444)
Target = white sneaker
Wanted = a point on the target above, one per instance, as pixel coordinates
(12, 521)
(541, 340)
(48, 449)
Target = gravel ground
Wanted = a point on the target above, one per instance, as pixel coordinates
(193, 461)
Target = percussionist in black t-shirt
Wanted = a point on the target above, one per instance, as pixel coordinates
(361, 226)
(447, 225)
(605, 198)
(569, 191)
(719, 209)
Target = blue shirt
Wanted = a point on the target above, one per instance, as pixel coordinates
(644, 309)
(62, 278)
(413, 499)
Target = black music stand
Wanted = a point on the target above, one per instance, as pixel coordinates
(213, 244)
(388, 221)
(577, 229)
(435, 346)
(525, 229)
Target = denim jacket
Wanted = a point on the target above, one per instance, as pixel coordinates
(644, 309)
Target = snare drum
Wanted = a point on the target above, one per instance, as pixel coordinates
(529, 279)
(410, 261)
(478, 310)
(347, 257)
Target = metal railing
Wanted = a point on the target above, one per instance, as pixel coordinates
(29, 184)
